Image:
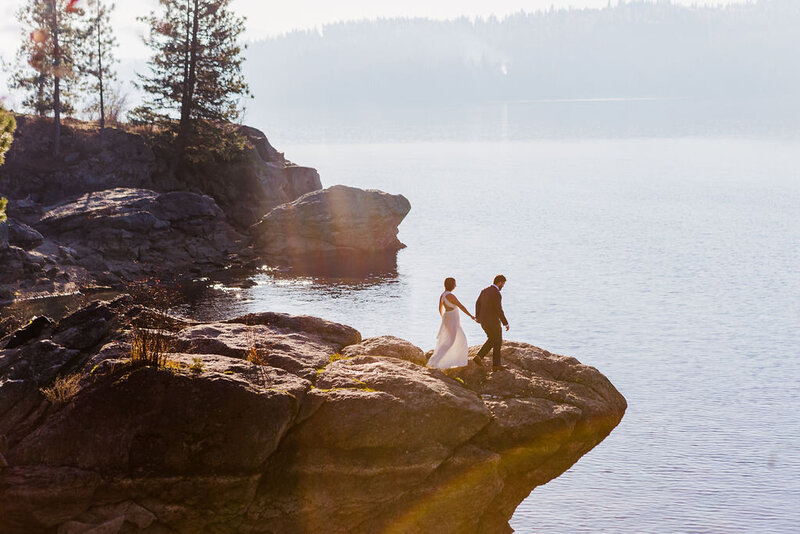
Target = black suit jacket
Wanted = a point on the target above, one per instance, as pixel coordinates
(489, 307)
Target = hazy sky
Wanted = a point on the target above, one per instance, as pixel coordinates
(271, 18)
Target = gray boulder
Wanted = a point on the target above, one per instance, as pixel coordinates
(23, 236)
(130, 233)
(340, 220)
(389, 346)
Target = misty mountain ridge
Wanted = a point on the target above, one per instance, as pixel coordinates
(631, 50)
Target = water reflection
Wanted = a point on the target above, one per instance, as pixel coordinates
(308, 288)
(354, 267)
(236, 292)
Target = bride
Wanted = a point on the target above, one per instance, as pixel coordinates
(451, 343)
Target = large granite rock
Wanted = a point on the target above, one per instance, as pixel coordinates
(130, 233)
(340, 220)
(299, 442)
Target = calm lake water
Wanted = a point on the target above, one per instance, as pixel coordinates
(658, 242)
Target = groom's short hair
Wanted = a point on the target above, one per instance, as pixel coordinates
(499, 278)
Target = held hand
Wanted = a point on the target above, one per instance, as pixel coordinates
(507, 327)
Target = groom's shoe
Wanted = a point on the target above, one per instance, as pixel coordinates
(478, 360)
(497, 368)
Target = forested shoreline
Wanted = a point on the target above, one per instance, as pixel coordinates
(633, 49)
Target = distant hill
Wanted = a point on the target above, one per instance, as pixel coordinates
(635, 49)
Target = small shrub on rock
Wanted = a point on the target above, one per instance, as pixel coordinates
(197, 365)
(149, 347)
(63, 389)
(258, 357)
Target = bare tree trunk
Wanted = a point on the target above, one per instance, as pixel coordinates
(57, 82)
(40, 86)
(100, 76)
(189, 71)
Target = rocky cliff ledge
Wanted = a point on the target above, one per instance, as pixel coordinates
(278, 423)
(107, 212)
(246, 187)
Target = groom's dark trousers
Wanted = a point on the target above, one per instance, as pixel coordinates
(489, 312)
(494, 341)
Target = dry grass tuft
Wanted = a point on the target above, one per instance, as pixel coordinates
(173, 365)
(150, 338)
(149, 347)
(64, 388)
(257, 356)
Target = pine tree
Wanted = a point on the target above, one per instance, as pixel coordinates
(195, 74)
(98, 58)
(7, 127)
(47, 58)
(39, 97)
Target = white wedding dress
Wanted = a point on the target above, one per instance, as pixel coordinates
(451, 343)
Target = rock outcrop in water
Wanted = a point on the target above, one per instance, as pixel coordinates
(261, 424)
(339, 221)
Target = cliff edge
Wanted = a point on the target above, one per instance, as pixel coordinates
(278, 423)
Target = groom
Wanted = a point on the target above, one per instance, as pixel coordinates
(489, 312)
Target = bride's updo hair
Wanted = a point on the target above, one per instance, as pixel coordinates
(449, 284)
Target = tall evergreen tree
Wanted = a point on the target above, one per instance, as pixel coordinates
(7, 127)
(99, 59)
(47, 58)
(38, 93)
(195, 73)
